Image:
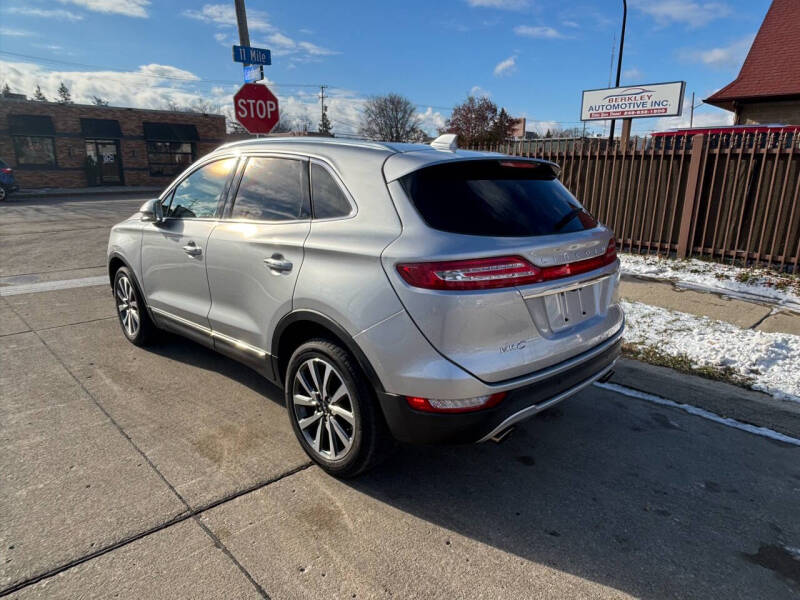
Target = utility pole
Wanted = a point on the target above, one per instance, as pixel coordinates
(321, 103)
(241, 21)
(619, 60)
(691, 113)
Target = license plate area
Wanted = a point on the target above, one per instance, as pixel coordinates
(569, 308)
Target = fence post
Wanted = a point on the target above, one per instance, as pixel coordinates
(690, 195)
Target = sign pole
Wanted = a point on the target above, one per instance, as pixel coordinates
(625, 134)
(241, 21)
(619, 60)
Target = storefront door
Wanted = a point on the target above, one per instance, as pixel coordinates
(103, 162)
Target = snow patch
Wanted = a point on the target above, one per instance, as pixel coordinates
(769, 360)
(751, 283)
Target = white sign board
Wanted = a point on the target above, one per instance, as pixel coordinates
(634, 101)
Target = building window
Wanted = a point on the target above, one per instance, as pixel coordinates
(170, 158)
(33, 150)
(33, 139)
(171, 147)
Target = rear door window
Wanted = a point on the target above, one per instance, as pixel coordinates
(272, 189)
(495, 198)
(327, 197)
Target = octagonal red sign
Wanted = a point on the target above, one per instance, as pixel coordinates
(256, 108)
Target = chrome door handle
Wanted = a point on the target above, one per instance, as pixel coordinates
(192, 249)
(276, 262)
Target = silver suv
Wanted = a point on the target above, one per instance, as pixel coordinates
(394, 291)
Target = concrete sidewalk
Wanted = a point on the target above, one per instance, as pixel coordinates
(742, 313)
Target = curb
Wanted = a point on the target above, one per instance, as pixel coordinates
(723, 399)
(47, 193)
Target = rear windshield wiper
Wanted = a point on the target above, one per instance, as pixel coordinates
(567, 218)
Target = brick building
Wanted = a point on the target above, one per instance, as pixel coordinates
(767, 89)
(78, 145)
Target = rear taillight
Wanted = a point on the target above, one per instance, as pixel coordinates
(455, 406)
(581, 266)
(496, 272)
(6, 171)
(472, 274)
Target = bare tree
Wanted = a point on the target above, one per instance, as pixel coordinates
(199, 106)
(392, 118)
(477, 121)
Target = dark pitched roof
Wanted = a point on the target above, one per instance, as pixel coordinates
(772, 67)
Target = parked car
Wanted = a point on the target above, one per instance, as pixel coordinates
(394, 291)
(7, 182)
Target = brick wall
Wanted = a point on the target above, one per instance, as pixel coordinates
(784, 112)
(70, 146)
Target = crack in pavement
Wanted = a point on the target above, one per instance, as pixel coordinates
(188, 514)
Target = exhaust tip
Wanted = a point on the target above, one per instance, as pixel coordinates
(502, 436)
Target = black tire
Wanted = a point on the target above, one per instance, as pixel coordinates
(371, 440)
(145, 331)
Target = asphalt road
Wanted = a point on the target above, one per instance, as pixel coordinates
(173, 472)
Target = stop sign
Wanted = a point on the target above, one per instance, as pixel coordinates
(256, 108)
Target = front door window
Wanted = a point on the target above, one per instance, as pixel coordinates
(103, 162)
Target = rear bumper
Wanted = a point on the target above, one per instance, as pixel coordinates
(417, 427)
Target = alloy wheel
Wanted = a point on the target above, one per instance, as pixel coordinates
(127, 306)
(323, 408)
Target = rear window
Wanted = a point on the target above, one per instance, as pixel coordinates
(495, 198)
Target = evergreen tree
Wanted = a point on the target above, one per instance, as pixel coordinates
(64, 96)
(38, 95)
(98, 101)
(325, 123)
(6, 91)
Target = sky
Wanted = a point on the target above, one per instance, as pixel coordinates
(532, 57)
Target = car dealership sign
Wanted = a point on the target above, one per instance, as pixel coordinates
(652, 100)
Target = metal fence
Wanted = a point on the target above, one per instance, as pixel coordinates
(733, 198)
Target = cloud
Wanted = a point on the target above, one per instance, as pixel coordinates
(8, 32)
(224, 15)
(149, 86)
(156, 86)
(717, 116)
(541, 127)
(431, 121)
(506, 67)
(478, 92)
(128, 8)
(538, 32)
(315, 50)
(692, 14)
(43, 13)
(500, 4)
(631, 74)
(572, 24)
(725, 57)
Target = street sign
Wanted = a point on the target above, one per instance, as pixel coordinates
(253, 73)
(634, 101)
(252, 56)
(256, 108)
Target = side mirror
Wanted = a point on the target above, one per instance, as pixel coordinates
(152, 211)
